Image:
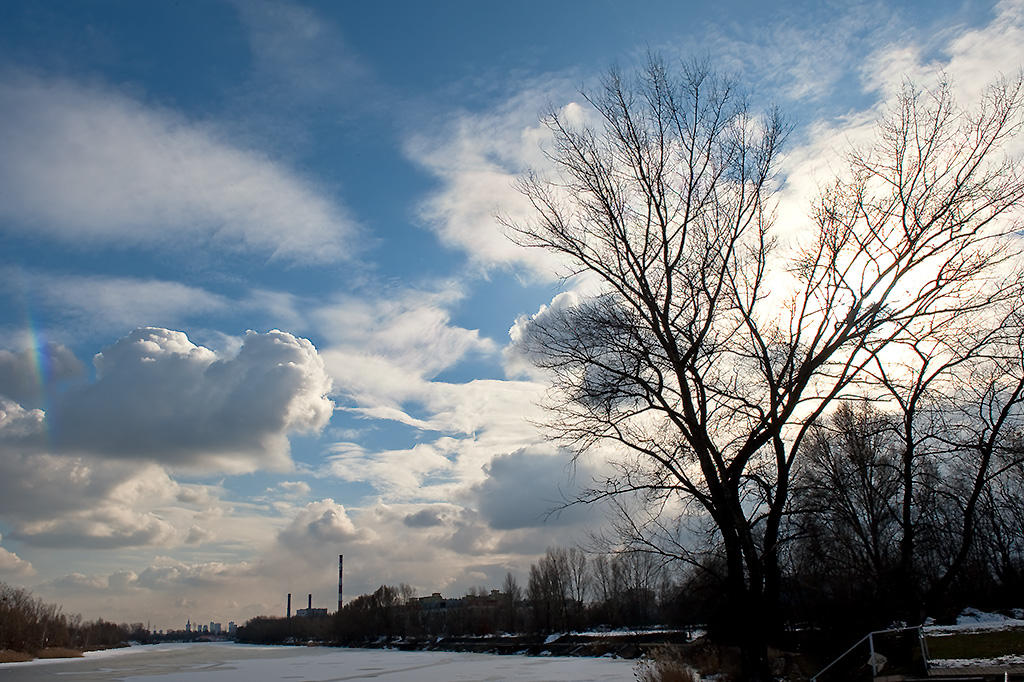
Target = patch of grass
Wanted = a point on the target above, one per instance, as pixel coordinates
(8, 656)
(665, 664)
(977, 644)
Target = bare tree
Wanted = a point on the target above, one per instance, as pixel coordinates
(578, 570)
(549, 590)
(512, 594)
(692, 362)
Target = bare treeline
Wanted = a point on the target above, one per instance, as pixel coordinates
(567, 590)
(28, 624)
(853, 553)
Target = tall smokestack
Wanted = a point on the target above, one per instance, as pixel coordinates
(310, 604)
(341, 575)
(288, 613)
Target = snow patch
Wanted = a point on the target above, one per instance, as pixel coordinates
(974, 620)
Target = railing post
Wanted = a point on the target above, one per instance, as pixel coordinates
(874, 663)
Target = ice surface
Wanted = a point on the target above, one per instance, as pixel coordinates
(238, 663)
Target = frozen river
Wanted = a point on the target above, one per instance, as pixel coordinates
(223, 662)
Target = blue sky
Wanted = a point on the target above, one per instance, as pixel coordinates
(257, 306)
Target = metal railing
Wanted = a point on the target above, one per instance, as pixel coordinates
(874, 658)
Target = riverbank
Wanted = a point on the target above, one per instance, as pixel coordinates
(56, 652)
(626, 644)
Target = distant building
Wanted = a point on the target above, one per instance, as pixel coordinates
(434, 601)
(232, 628)
(188, 625)
(309, 611)
(215, 628)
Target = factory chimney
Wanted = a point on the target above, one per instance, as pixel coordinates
(309, 606)
(288, 613)
(341, 573)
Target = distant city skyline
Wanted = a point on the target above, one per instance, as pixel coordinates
(259, 309)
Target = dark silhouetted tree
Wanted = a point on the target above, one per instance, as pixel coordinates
(708, 354)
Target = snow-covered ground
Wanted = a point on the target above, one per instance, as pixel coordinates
(973, 620)
(633, 632)
(1000, 662)
(217, 662)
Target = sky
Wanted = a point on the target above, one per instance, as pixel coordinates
(258, 309)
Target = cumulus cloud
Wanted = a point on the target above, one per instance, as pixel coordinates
(198, 535)
(529, 489)
(427, 517)
(157, 396)
(19, 424)
(475, 420)
(319, 523)
(54, 501)
(91, 166)
(25, 374)
(35, 485)
(516, 355)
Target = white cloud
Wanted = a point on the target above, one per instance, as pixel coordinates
(13, 566)
(108, 527)
(383, 352)
(90, 166)
(477, 161)
(517, 358)
(159, 397)
(169, 573)
(294, 488)
(411, 328)
(972, 57)
(319, 523)
(397, 474)
(54, 501)
(20, 425)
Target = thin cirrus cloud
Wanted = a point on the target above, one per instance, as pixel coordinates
(90, 166)
(98, 303)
